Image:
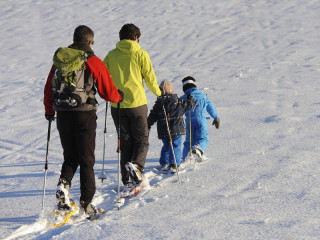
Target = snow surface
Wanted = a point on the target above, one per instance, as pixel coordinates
(258, 61)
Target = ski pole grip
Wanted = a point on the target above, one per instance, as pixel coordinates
(105, 118)
(49, 129)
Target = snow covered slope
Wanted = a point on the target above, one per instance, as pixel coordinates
(258, 61)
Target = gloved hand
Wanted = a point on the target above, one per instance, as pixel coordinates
(190, 101)
(49, 117)
(216, 122)
(121, 94)
(189, 97)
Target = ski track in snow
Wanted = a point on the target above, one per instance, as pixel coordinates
(258, 61)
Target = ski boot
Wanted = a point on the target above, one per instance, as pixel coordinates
(173, 168)
(135, 172)
(90, 211)
(63, 194)
(165, 168)
(197, 154)
(65, 207)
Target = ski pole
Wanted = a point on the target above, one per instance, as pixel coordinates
(170, 139)
(46, 167)
(119, 152)
(190, 135)
(103, 176)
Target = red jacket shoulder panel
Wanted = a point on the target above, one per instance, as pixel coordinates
(103, 80)
(48, 95)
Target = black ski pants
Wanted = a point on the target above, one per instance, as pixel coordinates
(77, 130)
(134, 142)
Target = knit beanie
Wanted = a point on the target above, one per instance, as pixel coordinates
(166, 87)
(188, 82)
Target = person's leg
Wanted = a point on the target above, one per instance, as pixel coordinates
(201, 135)
(164, 155)
(186, 144)
(85, 143)
(67, 132)
(126, 141)
(139, 134)
(176, 143)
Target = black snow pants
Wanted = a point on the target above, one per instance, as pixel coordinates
(133, 136)
(77, 130)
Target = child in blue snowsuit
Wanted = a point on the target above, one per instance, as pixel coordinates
(199, 126)
(174, 109)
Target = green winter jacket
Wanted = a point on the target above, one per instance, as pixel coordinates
(128, 65)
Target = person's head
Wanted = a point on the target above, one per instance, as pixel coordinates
(166, 87)
(83, 34)
(188, 82)
(129, 31)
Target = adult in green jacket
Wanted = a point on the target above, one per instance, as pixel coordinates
(129, 65)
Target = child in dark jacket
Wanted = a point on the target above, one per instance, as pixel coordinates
(174, 109)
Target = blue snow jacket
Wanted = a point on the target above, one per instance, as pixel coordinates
(175, 108)
(199, 126)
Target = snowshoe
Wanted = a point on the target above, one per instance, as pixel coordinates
(130, 190)
(61, 214)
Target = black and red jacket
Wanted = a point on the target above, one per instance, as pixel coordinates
(94, 67)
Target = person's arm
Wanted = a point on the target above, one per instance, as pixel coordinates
(104, 82)
(211, 109)
(153, 115)
(190, 102)
(48, 95)
(149, 75)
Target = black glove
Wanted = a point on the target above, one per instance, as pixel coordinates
(121, 94)
(49, 117)
(190, 101)
(189, 97)
(216, 122)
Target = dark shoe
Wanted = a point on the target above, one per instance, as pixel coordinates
(135, 172)
(198, 154)
(88, 208)
(90, 211)
(127, 180)
(165, 168)
(173, 168)
(63, 194)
